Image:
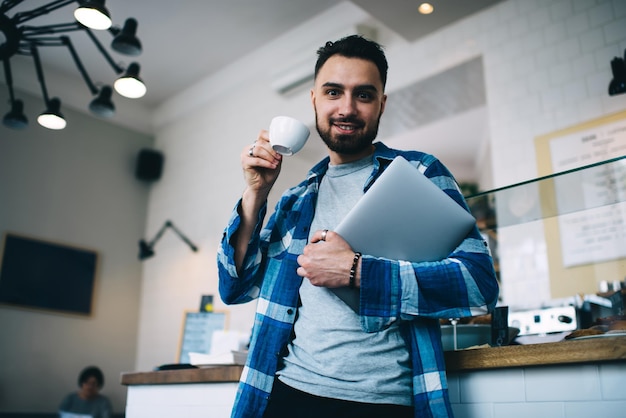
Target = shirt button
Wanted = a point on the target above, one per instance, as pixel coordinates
(290, 311)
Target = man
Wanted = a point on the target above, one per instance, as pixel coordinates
(88, 401)
(310, 354)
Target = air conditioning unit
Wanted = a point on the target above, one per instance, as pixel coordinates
(298, 67)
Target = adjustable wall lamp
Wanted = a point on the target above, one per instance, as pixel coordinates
(618, 84)
(24, 39)
(146, 249)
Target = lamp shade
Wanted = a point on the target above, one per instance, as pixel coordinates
(130, 85)
(52, 118)
(102, 105)
(15, 119)
(145, 250)
(618, 84)
(126, 42)
(93, 14)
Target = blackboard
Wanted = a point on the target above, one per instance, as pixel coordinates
(197, 331)
(46, 275)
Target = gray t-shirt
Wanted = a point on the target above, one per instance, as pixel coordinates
(331, 356)
(99, 407)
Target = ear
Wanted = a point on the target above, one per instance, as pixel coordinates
(313, 98)
(383, 102)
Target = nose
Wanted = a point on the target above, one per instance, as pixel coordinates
(347, 106)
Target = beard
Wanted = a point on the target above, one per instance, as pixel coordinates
(347, 144)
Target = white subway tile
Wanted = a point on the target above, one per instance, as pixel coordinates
(539, 19)
(619, 8)
(615, 31)
(600, 14)
(526, 410)
(561, 10)
(474, 410)
(613, 381)
(591, 40)
(604, 409)
(554, 33)
(568, 50)
(577, 24)
(581, 5)
(506, 385)
(568, 383)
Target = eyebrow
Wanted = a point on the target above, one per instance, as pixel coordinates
(370, 87)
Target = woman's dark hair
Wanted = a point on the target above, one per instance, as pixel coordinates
(354, 46)
(91, 371)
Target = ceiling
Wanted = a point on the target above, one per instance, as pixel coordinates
(185, 41)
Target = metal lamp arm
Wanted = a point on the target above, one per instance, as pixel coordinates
(8, 78)
(116, 68)
(45, 9)
(184, 238)
(67, 42)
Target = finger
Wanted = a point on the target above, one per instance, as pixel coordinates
(301, 272)
(321, 235)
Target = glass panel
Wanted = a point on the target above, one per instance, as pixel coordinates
(557, 237)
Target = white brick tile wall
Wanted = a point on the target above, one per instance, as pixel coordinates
(566, 391)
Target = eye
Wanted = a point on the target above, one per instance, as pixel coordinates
(364, 95)
(332, 92)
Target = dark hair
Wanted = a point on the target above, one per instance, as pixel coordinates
(91, 371)
(354, 46)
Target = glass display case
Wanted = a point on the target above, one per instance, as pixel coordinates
(558, 240)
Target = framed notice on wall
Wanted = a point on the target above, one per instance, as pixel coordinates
(592, 241)
(197, 332)
(47, 275)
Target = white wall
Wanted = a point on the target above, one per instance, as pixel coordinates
(546, 67)
(74, 187)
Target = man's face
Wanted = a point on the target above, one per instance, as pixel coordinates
(348, 100)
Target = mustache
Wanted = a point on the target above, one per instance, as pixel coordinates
(351, 120)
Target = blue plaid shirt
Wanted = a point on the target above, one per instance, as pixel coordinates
(414, 294)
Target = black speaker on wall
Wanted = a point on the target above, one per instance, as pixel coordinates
(149, 165)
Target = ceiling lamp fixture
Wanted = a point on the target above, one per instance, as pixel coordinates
(425, 8)
(618, 84)
(17, 38)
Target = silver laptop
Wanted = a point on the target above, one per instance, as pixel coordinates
(403, 216)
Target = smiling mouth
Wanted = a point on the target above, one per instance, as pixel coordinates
(346, 126)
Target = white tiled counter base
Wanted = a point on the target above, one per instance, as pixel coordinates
(564, 391)
(199, 400)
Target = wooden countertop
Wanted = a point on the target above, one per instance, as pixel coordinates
(213, 374)
(548, 354)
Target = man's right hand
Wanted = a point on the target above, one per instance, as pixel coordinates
(261, 165)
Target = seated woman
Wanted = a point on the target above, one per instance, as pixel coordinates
(87, 402)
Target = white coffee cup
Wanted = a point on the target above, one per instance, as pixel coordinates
(288, 135)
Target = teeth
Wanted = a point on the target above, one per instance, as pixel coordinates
(346, 127)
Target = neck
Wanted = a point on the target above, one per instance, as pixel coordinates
(337, 158)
